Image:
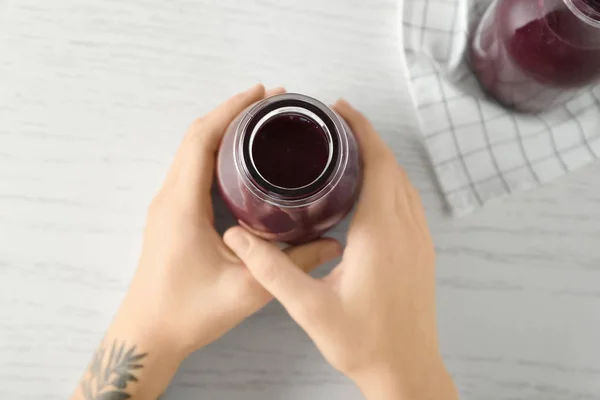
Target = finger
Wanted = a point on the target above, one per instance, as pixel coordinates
(372, 148)
(378, 160)
(418, 211)
(275, 92)
(380, 169)
(193, 167)
(410, 201)
(298, 292)
(309, 256)
(217, 120)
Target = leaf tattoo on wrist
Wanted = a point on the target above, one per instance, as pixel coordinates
(110, 373)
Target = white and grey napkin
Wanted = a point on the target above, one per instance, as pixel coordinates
(481, 151)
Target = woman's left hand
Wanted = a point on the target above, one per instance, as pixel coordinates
(189, 286)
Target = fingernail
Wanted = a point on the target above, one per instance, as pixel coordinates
(250, 89)
(255, 86)
(275, 91)
(332, 250)
(237, 240)
(342, 101)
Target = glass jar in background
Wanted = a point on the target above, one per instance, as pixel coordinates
(532, 55)
(289, 169)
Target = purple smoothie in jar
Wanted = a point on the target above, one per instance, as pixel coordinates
(533, 55)
(289, 168)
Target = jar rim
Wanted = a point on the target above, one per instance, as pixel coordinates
(312, 192)
(293, 111)
(584, 11)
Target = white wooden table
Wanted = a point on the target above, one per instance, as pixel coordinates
(94, 98)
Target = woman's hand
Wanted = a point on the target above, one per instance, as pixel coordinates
(189, 288)
(195, 288)
(373, 317)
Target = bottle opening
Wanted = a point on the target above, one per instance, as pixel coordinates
(290, 149)
(594, 4)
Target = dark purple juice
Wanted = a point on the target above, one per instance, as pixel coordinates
(290, 151)
(533, 55)
(289, 168)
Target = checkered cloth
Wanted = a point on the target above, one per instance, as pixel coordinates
(481, 151)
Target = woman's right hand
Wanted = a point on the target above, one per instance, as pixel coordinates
(373, 317)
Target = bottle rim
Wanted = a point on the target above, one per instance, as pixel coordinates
(291, 197)
(295, 111)
(584, 11)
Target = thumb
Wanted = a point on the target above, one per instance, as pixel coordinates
(301, 295)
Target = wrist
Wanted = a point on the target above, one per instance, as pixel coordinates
(154, 356)
(381, 383)
(388, 382)
(147, 324)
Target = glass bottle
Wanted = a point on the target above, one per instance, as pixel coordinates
(533, 55)
(289, 168)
